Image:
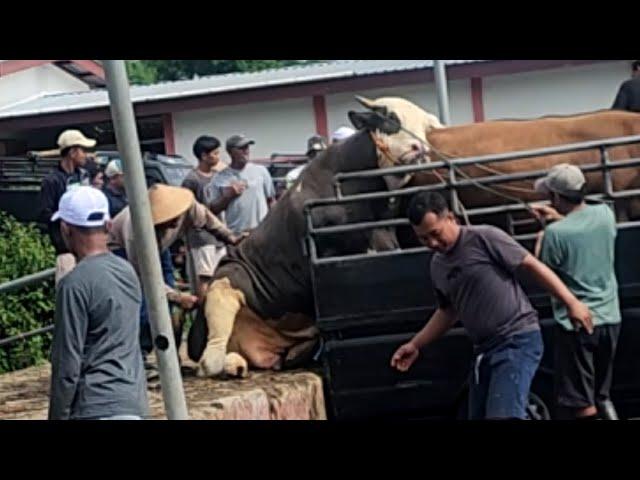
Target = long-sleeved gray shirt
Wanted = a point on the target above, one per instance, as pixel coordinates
(97, 367)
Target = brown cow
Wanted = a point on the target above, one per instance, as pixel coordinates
(515, 135)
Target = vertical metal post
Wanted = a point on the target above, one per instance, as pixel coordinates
(606, 172)
(440, 76)
(146, 246)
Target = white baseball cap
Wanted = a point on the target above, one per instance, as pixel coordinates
(342, 133)
(74, 138)
(564, 178)
(83, 207)
(114, 167)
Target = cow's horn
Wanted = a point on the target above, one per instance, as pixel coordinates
(365, 102)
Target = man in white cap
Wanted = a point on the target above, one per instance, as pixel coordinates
(96, 363)
(68, 174)
(341, 134)
(580, 247)
(114, 189)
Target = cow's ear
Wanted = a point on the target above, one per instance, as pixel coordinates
(364, 120)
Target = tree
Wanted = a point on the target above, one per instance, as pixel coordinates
(144, 72)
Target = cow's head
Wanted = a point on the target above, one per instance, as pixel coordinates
(399, 128)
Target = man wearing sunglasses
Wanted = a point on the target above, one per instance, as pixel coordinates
(243, 191)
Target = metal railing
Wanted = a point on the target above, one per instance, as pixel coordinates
(605, 165)
(18, 284)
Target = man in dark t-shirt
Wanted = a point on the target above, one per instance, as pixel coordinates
(628, 97)
(473, 274)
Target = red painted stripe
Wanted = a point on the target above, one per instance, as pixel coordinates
(320, 114)
(91, 67)
(477, 100)
(12, 66)
(169, 138)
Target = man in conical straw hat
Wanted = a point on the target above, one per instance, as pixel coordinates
(174, 212)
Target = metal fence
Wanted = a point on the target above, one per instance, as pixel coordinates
(453, 184)
(18, 284)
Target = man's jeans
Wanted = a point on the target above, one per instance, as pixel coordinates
(146, 343)
(502, 377)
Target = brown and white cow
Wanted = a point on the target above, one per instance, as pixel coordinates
(515, 135)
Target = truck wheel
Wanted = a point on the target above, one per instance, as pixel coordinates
(537, 410)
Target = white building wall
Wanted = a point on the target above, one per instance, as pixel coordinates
(562, 91)
(37, 81)
(277, 127)
(284, 126)
(423, 95)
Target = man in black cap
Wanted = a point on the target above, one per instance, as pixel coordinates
(628, 97)
(243, 191)
(315, 145)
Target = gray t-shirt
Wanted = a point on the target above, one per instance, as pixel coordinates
(97, 368)
(246, 211)
(477, 279)
(197, 182)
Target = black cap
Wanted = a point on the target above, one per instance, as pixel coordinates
(316, 143)
(238, 141)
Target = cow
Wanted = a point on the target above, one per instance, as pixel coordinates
(501, 136)
(259, 308)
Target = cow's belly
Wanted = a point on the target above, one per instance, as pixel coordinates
(265, 343)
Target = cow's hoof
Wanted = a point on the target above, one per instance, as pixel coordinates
(236, 366)
(212, 363)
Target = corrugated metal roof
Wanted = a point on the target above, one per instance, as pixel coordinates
(219, 84)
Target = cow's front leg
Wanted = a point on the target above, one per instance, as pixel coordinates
(222, 304)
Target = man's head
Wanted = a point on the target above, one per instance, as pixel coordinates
(168, 204)
(635, 68)
(207, 150)
(564, 186)
(84, 218)
(341, 134)
(433, 222)
(115, 174)
(96, 175)
(315, 145)
(238, 149)
(74, 146)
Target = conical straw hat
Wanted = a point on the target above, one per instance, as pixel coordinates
(168, 202)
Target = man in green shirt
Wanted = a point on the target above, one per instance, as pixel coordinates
(580, 247)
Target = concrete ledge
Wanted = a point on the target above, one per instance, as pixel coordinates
(292, 395)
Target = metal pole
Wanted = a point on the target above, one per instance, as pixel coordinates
(441, 89)
(146, 247)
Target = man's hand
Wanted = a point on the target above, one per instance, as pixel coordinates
(547, 212)
(188, 301)
(236, 239)
(405, 356)
(580, 315)
(234, 190)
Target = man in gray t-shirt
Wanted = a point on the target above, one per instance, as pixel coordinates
(243, 191)
(472, 272)
(96, 361)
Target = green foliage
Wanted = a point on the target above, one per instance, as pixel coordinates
(144, 72)
(24, 250)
